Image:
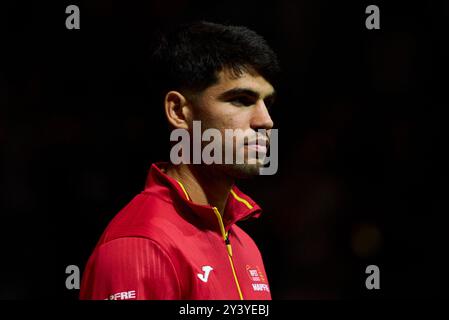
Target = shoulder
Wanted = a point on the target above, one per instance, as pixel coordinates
(133, 251)
(122, 268)
(143, 216)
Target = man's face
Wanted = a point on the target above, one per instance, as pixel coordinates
(238, 103)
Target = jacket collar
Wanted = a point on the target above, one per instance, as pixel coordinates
(238, 207)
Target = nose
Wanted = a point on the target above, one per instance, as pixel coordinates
(261, 118)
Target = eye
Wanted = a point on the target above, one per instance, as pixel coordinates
(242, 101)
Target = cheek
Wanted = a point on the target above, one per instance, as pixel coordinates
(240, 121)
(221, 121)
(223, 116)
(236, 118)
(213, 115)
(232, 122)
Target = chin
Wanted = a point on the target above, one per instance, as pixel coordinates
(241, 171)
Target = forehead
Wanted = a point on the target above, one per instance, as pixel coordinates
(228, 81)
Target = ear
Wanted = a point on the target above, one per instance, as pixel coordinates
(178, 110)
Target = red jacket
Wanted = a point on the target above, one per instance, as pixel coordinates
(164, 246)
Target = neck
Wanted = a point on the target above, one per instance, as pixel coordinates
(204, 184)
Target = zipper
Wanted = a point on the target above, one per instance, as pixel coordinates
(225, 236)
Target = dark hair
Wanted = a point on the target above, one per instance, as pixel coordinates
(190, 57)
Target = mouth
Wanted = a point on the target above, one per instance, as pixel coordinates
(260, 146)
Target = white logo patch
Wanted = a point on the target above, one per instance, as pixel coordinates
(204, 277)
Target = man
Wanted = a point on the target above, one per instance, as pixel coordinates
(178, 239)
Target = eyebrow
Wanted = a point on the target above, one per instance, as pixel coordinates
(244, 91)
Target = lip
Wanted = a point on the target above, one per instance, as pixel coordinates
(259, 148)
(258, 143)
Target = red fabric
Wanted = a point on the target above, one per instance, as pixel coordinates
(164, 246)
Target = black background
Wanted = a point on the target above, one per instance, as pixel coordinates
(363, 168)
